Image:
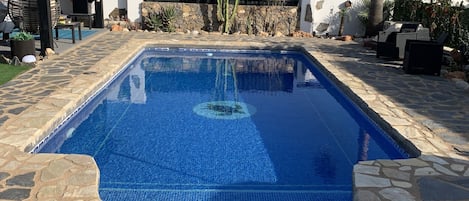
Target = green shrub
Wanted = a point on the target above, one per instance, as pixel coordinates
(22, 36)
(162, 20)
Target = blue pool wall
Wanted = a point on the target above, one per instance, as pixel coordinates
(354, 104)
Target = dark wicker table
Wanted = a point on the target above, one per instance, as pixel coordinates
(72, 26)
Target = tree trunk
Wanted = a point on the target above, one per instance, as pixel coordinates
(342, 25)
(375, 17)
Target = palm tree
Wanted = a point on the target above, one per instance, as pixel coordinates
(375, 17)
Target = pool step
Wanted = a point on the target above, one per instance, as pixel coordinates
(108, 194)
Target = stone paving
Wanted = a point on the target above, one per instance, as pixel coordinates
(427, 115)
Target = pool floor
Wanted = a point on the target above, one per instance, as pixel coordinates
(214, 128)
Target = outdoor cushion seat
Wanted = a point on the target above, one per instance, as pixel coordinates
(6, 25)
(388, 48)
(25, 14)
(394, 44)
(424, 57)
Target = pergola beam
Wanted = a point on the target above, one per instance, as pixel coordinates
(45, 25)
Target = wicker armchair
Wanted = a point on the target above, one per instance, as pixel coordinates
(25, 14)
(424, 57)
(393, 45)
(6, 26)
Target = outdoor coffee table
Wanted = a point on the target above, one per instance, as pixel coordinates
(72, 26)
(89, 16)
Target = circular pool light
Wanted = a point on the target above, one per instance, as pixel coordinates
(224, 110)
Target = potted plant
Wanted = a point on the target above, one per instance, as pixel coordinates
(22, 44)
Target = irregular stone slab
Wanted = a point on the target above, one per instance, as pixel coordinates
(396, 194)
(365, 169)
(362, 180)
(83, 178)
(82, 160)
(432, 188)
(51, 191)
(457, 167)
(424, 145)
(42, 158)
(435, 159)
(24, 180)
(396, 174)
(17, 110)
(4, 175)
(412, 162)
(12, 165)
(409, 132)
(405, 168)
(427, 171)
(364, 195)
(444, 170)
(432, 124)
(366, 162)
(3, 119)
(79, 192)
(56, 169)
(396, 121)
(388, 163)
(466, 174)
(15, 194)
(401, 184)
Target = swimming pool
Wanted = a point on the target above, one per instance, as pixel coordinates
(205, 124)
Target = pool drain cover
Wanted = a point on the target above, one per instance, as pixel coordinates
(224, 110)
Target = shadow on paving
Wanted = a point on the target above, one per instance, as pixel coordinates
(433, 101)
(445, 187)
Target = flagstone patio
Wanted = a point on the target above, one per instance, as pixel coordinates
(427, 115)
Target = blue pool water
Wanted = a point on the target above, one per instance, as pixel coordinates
(186, 124)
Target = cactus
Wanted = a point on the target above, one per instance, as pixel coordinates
(226, 13)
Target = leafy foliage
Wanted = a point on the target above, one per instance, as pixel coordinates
(22, 36)
(440, 17)
(364, 9)
(162, 20)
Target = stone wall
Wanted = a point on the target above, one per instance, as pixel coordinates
(249, 19)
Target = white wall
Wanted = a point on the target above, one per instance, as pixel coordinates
(329, 13)
(108, 6)
(133, 10)
(305, 25)
(132, 6)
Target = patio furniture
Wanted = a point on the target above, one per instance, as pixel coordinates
(71, 26)
(25, 14)
(6, 25)
(424, 57)
(391, 43)
(88, 16)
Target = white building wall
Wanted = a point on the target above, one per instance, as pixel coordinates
(132, 6)
(327, 11)
(306, 26)
(133, 10)
(108, 7)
